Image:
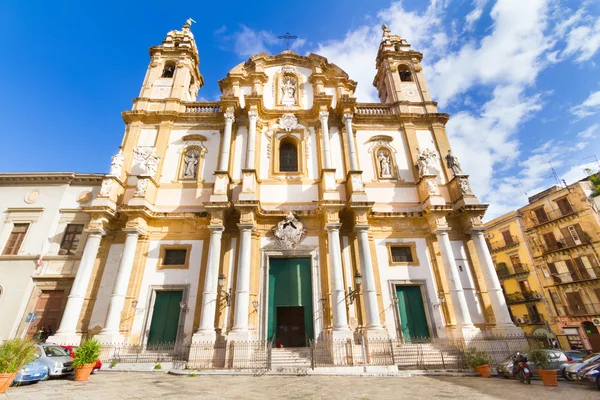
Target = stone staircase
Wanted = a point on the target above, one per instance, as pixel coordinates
(290, 358)
(427, 356)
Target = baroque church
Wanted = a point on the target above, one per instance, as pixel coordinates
(286, 211)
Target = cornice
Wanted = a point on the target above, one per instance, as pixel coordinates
(55, 178)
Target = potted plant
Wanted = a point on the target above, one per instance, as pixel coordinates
(86, 356)
(479, 361)
(542, 361)
(14, 354)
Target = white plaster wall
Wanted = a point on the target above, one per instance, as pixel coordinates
(161, 88)
(191, 198)
(311, 153)
(399, 274)
(208, 165)
(466, 279)
(337, 152)
(107, 283)
(331, 91)
(152, 276)
(263, 153)
(16, 283)
(239, 152)
(365, 155)
(244, 91)
(388, 195)
(147, 137)
(425, 141)
(283, 193)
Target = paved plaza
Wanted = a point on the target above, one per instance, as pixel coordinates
(136, 385)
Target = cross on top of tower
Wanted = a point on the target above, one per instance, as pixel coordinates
(287, 37)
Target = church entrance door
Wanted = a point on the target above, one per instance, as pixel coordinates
(412, 313)
(165, 317)
(290, 308)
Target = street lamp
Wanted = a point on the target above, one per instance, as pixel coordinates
(223, 292)
(353, 293)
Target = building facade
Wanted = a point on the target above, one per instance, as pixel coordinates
(41, 243)
(522, 285)
(287, 210)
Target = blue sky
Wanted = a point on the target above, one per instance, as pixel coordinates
(519, 77)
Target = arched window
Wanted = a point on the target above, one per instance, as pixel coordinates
(405, 74)
(169, 70)
(288, 156)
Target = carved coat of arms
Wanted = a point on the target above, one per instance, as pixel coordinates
(289, 232)
(288, 122)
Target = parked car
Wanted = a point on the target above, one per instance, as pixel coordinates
(592, 375)
(33, 372)
(581, 373)
(56, 358)
(572, 369)
(559, 360)
(71, 351)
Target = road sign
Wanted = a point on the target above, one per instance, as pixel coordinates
(31, 317)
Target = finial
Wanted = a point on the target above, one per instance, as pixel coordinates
(188, 22)
(384, 27)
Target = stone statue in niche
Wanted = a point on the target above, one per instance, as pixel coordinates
(289, 232)
(453, 164)
(289, 86)
(116, 164)
(146, 157)
(385, 165)
(191, 158)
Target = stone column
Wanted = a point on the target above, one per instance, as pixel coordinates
(324, 118)
(369, 290)
(206, 331)
(504, 323)
(461, 309)
(350, 141)
(67, 331)
(242, 291)
(338, 294)
(110, 333)
(251, 146)
(225, 149)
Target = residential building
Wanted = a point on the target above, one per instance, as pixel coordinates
(42, 236)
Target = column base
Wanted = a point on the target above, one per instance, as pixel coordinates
(376, 333)
(110, 338)
(204, 337)
(507, 330)
(466, 332)
(72, 339)
(240, 336)
(341, 334)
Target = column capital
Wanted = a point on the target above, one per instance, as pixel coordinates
(96, 231)
(347, 117)
(135, 230)
(331, 227)
(362, 228)
(245, 227)
(216, 229)
(441, 230)
(229, 116)
(252, 115)
(323, 116)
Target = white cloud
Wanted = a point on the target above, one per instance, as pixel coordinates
(590, 106)
(475, 14)
(589, 132)
(247, 42)
(578, 172)
(583, 41)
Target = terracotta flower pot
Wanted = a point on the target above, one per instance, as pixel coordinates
(83, 373)
(484, 370)
(6, 380)
(549, 377)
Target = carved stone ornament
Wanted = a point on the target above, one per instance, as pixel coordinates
(116, 164)
(464, 186)
(288, 122)
(105, 188)
(142, 185)
(427, 160)
(146, 157)
(289, 233)
(432, 187)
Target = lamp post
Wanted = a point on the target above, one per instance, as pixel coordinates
(352, 294)
(223, 292)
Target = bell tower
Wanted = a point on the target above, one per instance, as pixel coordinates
(399, 73)
(173, 72)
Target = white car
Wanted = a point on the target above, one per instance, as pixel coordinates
(56, 358)
(571, 370)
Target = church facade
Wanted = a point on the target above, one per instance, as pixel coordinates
(285, 211)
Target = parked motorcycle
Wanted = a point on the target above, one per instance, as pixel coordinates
(521, 369)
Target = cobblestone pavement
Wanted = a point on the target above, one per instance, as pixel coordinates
(140, 385)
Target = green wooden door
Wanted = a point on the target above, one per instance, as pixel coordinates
(290, 286)
(412, 312)
(165, 317)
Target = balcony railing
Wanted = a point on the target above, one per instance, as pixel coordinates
(564, 245)
(520, 269)
(577, 275)
(203, 108)
(374, 109)
(524, 297)
(578, 310)
(552, 215)
(531, 319)
(501, 245)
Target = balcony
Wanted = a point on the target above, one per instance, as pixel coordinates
(563, 245)
(525, 297)
(550, 216)
(501, 245)
(531, 319)
(578, 310)
(579, 275)
(520, 270)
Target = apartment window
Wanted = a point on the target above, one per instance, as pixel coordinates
(402, 254)
(70, 241)
(564, 206)
(552, 269)
(174, 256)
(508, 239)
(524, 286)
(550, 240)
(15, 240)
(540, 215)
(597, 293)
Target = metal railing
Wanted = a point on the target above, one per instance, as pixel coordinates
(586, 309)
(521, 297)
(549, 216)
(564, 245)
(500, 245)
(203, 108)
(518, 269)
(155, 353)
(577, 275)
(531, 319)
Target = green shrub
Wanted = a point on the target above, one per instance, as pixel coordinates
(192, 375)
(14, 354)
(158, 366)
(87, 353)
(539, 357)
(476, 358)
(113, 363)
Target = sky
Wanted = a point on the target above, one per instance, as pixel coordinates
(520, 78)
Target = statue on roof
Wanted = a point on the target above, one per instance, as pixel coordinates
(188, 23)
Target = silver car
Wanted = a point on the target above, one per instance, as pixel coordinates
(559, 360)
(56, 358)
(572, 369)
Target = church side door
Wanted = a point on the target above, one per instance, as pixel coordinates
(412, 312)
(165, 317)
